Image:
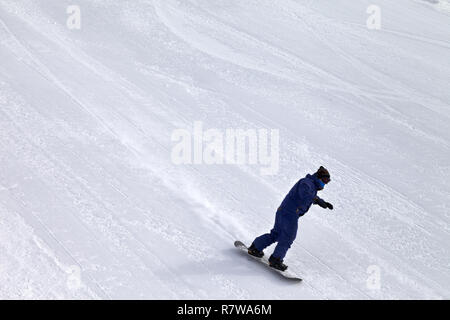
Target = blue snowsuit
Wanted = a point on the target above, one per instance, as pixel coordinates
(296, 203)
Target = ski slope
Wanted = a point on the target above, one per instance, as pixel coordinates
(93, 207)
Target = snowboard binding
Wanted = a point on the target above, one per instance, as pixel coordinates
(277, 263)
(255, 252)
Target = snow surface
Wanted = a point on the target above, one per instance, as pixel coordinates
(92, 205)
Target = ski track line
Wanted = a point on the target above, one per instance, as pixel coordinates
(440, 43)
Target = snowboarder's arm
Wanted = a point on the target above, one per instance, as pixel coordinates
(322, 203)
(306, 197)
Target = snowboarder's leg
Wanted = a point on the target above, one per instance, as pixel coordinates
(262, 242)
(287, 235)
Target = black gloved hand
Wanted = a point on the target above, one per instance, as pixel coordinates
(323, 204)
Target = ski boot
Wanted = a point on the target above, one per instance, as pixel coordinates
(255, 252)
(277, 263)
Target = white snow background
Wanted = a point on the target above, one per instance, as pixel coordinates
(92, 205)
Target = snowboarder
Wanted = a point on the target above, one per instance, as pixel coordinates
(296, 203)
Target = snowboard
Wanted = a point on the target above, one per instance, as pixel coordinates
(286, 274)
